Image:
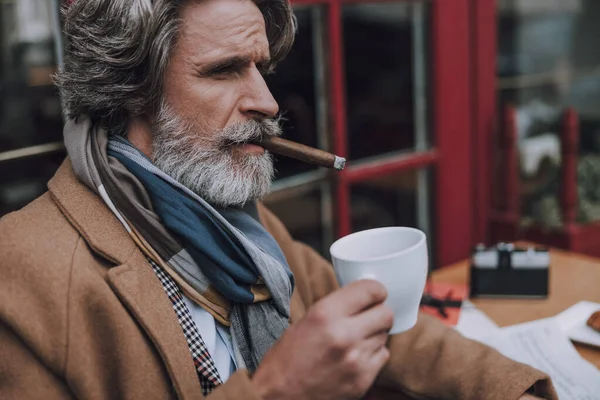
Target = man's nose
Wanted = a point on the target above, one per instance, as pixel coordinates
(258, 99)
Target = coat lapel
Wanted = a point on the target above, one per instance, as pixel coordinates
(133, 279)
(139, 289)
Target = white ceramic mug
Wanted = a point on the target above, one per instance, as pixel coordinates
(394, 256)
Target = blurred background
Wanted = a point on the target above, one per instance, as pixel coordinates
(464, 118)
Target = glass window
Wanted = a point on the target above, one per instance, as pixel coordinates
(30, 110)
(385, 46)
(18, 189)
(301, 213)
(297, 85)
(398, 199)
(549, 60)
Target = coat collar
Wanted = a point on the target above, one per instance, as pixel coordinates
(90, 216)
(132, 279)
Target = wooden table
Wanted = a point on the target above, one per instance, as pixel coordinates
(573, 278)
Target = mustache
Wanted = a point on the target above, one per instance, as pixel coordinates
(246, 132)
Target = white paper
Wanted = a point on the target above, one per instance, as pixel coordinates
(573, 322)
(474, 323)
(542, 345)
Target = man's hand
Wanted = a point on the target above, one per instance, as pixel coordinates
(335, 352)
(530, 397)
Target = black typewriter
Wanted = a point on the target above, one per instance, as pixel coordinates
(505, 270)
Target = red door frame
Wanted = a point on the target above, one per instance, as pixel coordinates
(452, 156)
(452, 128)
(484, 107)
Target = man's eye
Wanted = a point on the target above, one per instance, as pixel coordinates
(224, 70)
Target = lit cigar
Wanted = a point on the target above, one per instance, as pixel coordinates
(301, 152)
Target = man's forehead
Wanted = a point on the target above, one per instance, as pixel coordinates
(223, 27)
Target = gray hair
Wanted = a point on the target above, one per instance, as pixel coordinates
(117, 52)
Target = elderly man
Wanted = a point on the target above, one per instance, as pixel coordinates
(149, 270)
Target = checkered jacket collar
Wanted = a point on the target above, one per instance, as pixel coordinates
(205, 366)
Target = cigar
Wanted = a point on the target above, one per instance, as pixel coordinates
(301, 152)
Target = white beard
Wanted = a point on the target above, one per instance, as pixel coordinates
(206, 165)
